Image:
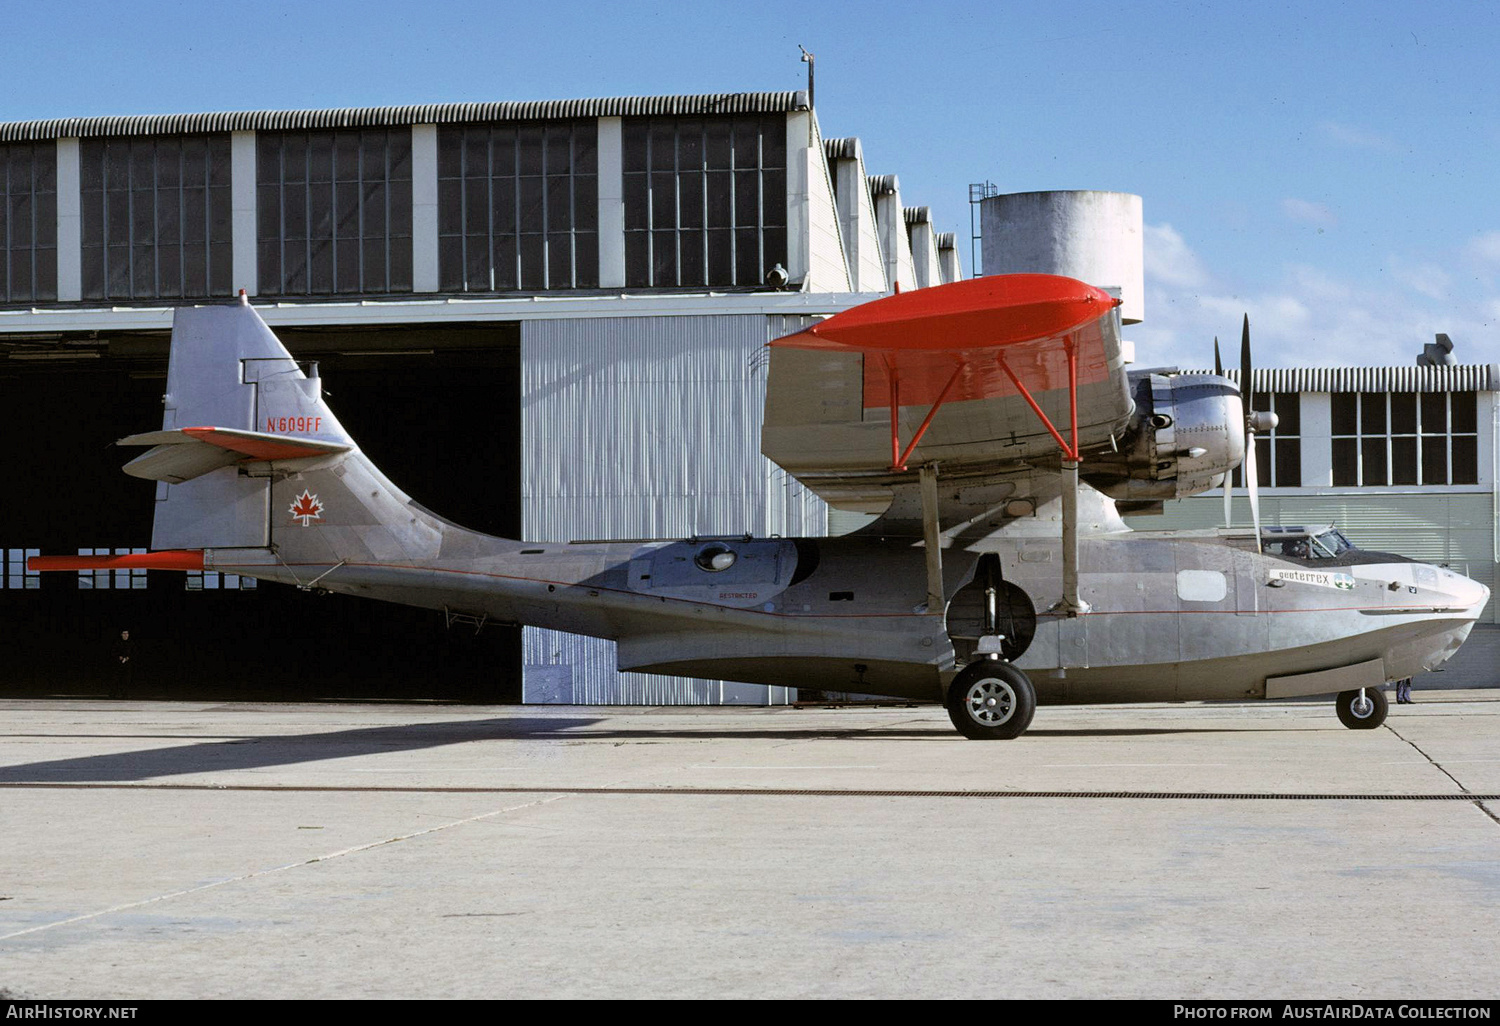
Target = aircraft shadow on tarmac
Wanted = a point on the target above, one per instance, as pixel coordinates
(250, 752)
(247, 753)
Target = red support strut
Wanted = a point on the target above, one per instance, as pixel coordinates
(895, 418)
(1069, 452)
(911, 446)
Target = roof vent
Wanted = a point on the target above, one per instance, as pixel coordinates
(1438, 354)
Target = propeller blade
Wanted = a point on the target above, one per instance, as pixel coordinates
(1245, 364)
(1228, 474)
(1251, 487)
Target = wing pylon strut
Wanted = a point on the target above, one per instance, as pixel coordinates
(980, 338)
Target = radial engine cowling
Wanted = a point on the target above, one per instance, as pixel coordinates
(1188, 432)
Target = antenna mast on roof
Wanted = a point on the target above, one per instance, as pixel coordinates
(807, 59)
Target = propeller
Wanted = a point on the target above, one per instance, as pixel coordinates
(1254, 421)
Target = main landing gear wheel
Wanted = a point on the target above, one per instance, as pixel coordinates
(991, 701)
(1362, 714)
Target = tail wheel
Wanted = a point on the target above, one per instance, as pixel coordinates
(991, 700)
(1362, 713)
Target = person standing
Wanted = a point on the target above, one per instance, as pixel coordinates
(122, 672)
(1403, 692)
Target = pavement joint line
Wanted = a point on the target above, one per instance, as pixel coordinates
(752, 792)
(1430, 759)
(1478, 800)
(353, 850)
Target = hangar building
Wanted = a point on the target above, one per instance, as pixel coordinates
(544, 320)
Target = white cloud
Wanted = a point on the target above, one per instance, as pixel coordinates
(1485, 248)
(1428, 280)
(1170, 261)
(1357, 138)
(1309, 316)
(1307, 212)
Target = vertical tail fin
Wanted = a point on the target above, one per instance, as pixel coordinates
(228, 369)
(250, 456)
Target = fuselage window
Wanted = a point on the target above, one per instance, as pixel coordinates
(1201, 586)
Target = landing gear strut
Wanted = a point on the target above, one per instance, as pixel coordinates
(1363, 709)
(991, 700)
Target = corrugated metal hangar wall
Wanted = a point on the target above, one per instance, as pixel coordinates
(647, 427)
(650, 246)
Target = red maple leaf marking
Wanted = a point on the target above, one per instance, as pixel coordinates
(307, 508)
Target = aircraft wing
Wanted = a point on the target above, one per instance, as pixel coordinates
(990, 377)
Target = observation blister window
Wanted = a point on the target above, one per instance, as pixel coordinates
(714, 558)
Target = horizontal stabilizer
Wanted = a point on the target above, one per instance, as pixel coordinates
(185, 453)
(179, 559)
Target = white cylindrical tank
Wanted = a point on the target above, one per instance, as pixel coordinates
(1092, 236)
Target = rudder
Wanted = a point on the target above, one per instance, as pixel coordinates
(229, 370)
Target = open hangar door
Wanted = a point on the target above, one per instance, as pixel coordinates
(438, 409)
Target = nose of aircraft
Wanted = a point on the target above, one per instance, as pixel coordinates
(1456, 602)
(1424, 584)
(1467, 593)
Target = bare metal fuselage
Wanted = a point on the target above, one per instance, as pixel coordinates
(1173, 615)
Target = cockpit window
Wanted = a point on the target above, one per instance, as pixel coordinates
(1335, 542)
(1301, 543)
(714, 557)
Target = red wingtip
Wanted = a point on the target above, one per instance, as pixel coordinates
(975, 313)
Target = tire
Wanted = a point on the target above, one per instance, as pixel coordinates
(1369, 720)
(991, 700)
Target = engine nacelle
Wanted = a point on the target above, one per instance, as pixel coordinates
(1187, 434)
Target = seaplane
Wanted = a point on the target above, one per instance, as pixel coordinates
(992, 423)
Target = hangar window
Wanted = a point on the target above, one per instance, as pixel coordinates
(212, 580)
(518, 206)
(17, 577)
(705, 200)
(155, 217)
(1405, 438)
(28, 221)
(333, 211)
(1278, 452)
(100, 580)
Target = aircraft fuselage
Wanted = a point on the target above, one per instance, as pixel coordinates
(1172, 615)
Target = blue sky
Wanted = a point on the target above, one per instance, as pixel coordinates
(1328, 167)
